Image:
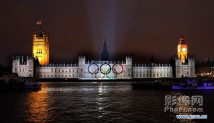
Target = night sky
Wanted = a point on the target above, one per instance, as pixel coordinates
(140, 27)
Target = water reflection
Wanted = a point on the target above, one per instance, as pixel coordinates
(92, 102)
(37, 103)
(100, 88)
(99, 100)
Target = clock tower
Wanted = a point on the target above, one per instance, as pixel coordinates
(182, 49)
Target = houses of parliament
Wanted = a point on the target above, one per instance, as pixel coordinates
(38, 64)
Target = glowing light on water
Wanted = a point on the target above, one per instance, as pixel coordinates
(100, 88)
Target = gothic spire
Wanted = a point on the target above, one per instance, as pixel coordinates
(182, 38)
(105, 55)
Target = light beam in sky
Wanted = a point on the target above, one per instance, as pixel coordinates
(108, 22)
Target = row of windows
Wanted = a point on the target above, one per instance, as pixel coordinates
(39, 52)
(184, 69)
(154, 75)
(150, 71)
(185, 75)
(162, 69)
(38, 44)
(24, 75)
(62, 70)
(48, 76)
(20, 70)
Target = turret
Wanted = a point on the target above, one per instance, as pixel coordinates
(128, 60)
(81, 61)
(23, 66)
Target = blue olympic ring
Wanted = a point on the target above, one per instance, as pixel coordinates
(96, 71)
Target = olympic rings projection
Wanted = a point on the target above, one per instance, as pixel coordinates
(106, 69)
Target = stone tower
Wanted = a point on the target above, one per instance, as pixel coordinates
(41, 44)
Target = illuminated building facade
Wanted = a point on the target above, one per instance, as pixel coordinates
(58, 71)
(152, 71)
(41, 44)
(104, 69)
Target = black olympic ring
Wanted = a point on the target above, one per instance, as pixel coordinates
(105, 72)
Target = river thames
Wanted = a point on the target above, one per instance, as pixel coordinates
(94, 102)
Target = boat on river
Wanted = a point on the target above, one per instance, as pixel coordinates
(175, 84)
(194, 84)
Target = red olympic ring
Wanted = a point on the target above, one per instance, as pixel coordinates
(114, 70)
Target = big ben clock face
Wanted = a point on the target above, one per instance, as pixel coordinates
(184, 49)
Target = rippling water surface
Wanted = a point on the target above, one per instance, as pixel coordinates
(93, 102)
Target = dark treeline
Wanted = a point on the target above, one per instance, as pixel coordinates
(204, 63)
(4, 69)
